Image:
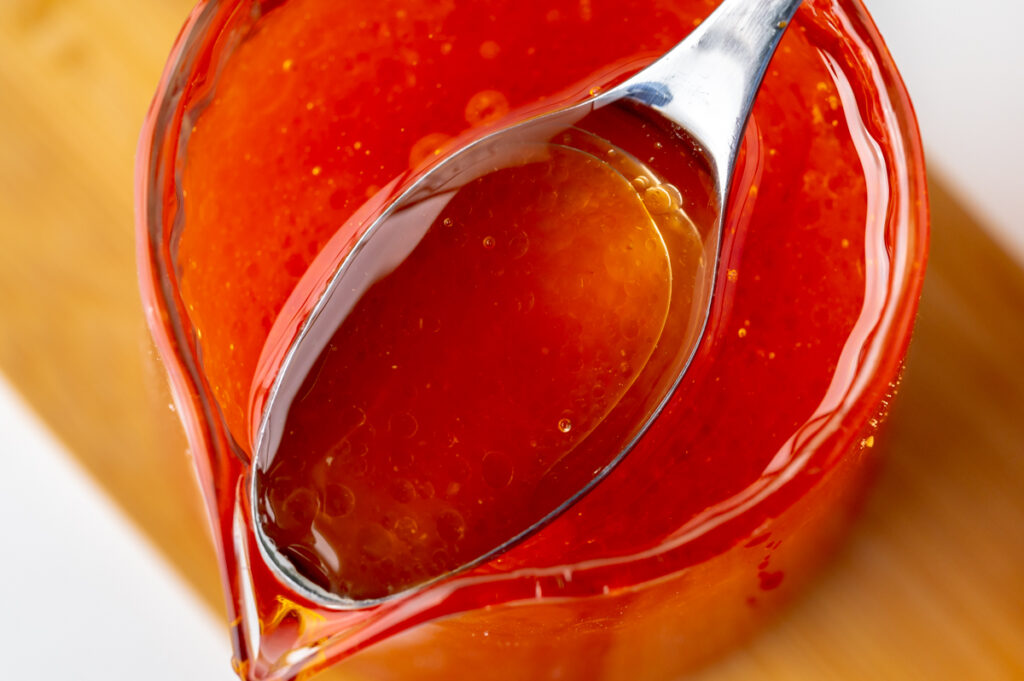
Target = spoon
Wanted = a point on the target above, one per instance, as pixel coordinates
(700, 94)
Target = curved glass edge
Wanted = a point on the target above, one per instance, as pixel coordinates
(155, 168)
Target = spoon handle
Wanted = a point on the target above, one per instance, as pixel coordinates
(707, 83)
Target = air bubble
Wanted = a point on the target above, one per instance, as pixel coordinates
(403, 424)
(497, 470)
(489, 242)
(388, 521)
(427, 147)
(439, 562)
(675, 194)
(403, 491)
(298, 509)
(519, 245)
(489, 49)
(565, 425)
(450, 526)
(425, 489)
(486, 106)
(658, 200)
(339, 500)
(405, 528)
(351, 417)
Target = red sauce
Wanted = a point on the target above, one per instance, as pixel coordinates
(323, 103)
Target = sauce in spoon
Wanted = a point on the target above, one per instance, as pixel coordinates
(496, 382)
(431, 428)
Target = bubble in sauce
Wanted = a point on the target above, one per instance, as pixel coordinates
(297, 509)
(486, 106)
(519, 244)
(450, 526)
(403, 424)
(351, 417)
(339, 500)
(489, 49)
(405, 528)
(425, 489)
(439, 561)
(657, 199)
(674, 194)
(403, 491)
(497, 470)
(427, 147)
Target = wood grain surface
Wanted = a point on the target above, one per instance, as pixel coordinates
(931, 586)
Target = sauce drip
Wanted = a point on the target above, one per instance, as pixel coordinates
(429, 430)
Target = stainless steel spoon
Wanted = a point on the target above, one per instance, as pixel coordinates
(704, 88)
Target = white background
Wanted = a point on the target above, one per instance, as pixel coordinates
(963, 63)
(124, 615)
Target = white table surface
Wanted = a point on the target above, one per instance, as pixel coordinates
(84, 575)
(81, 574)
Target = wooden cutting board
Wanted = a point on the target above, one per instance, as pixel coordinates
(931, 586)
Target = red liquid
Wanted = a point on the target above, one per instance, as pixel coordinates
(725, 502)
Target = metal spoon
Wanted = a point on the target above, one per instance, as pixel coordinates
(703, 89)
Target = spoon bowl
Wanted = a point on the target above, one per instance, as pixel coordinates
(698, 98)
